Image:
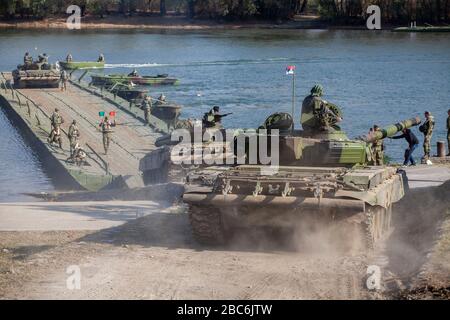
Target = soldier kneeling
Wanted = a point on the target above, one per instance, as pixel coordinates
(78, 155)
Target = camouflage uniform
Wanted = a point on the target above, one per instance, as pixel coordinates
(69, 58)
(378, 151)
(318, 114)
(64, 77)
(106, 127)
(101, 58)
(73, 134)
(55, 136)
(147, 106)
(56, 121)
(27, 59)
(427, 129)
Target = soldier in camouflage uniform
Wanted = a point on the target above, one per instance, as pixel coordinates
(147, 107)
(73, 135)
(378, 149)
(56, 121)
(318, 114)
(27, 60)
(64, 78)
(427, 129)
(106, 127)
(448, 132)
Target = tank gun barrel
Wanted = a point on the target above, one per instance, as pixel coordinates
(391, 130)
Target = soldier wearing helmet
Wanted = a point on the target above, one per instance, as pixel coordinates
(378, 149)
(318, 114)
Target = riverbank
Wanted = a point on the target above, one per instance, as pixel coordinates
(172, 22)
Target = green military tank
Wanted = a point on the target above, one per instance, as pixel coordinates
(322, 175)
(37, 74)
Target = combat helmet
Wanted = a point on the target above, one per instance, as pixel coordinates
(317, 90)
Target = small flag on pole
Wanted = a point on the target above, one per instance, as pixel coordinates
(101, 114)
(290, 70)
(112, 113)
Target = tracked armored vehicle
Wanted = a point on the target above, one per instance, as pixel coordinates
(322, 176)
(36, 75)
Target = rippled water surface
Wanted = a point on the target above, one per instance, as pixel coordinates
(376, 77)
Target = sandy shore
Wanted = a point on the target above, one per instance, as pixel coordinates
(154, 22)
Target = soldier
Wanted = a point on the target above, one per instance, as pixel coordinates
(213, 118)
(55, 136)
(69, 58)
(147, 106)
(27, 59)
(64, 78)
(73, 135)
(78, 155)
(378, 149)
(448, 132)
(161, 99)
(427, 129)
(133, 73)
(106, 127)
(101, 58)
(318, 114)
(56, 121)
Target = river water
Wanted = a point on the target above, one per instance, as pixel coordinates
(376, 77)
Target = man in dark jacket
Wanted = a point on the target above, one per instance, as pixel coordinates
(413, 142)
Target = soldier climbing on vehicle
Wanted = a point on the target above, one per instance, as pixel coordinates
(69, 58)
(427, 129)
(106, 127)
(319, 114)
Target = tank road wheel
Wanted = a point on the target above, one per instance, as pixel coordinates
(377, 224)
(207, 225)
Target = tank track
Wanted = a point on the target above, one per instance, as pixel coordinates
(376, 225)
(207, 226)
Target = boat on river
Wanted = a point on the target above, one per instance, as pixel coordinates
(423, 29)
(160, 79)
(72, 65)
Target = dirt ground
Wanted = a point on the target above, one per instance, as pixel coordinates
(155, 257)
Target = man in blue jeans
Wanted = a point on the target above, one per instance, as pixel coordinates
(413, 142)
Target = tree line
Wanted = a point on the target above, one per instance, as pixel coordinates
(338, 11)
